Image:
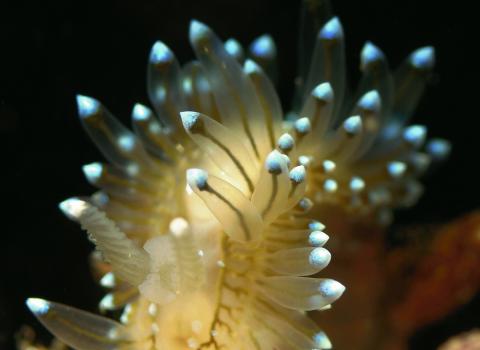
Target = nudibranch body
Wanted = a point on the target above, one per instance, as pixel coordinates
(203, 211)
(203, 221)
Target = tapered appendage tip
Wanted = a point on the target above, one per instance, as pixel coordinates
(198, 30)
(234, 48)
(160, 53)
(439, 149)
(197, 178)
(140, 112)
(73, 207)
(415, 134)
(303, 126)
(38, 306)
(423, 58)
(353, 125)
(92, 171)
(319, 257)
(251, 67)
(321, 340)
(332, 289)
(332, 30)
(370, 54)
(357, 184)
(317, 238)
(396, 169)
(371, 101)
(298, 174)
(285, 142)
(274, 162)
(189, 119)
(87, 106)
(323, 91)
(264, 47)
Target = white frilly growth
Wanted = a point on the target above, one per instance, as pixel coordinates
(130, 262)
(165, 267)
(175, 267)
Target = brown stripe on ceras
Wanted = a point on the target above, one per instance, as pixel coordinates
(273, 194)
(199, 128)
(239, 214)
(239, 104)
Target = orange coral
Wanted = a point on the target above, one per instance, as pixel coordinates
(444, 279)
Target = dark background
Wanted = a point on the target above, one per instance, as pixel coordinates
(52, 50)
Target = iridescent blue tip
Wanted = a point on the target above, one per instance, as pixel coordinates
(198, 30)
(160, 53)
(439, 149)
(315, 225)
(370, 54)
(321, 341)
(87, 106)
(251, 67)
(331, 289)
(370, 101)
(323, 91)
(189, 119)
(357, 184)
(423, 58)
(264, 47)
(274, 162)
(234, 48)
(141, 112)
(415, 134)
(303, 125)
(332, 30)
(93, 172)
(197, 178)
(396, 169)
(330, 185)
(38, 306)
(126, 142)
(298, 174)
(353, 125)
(286, 142)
